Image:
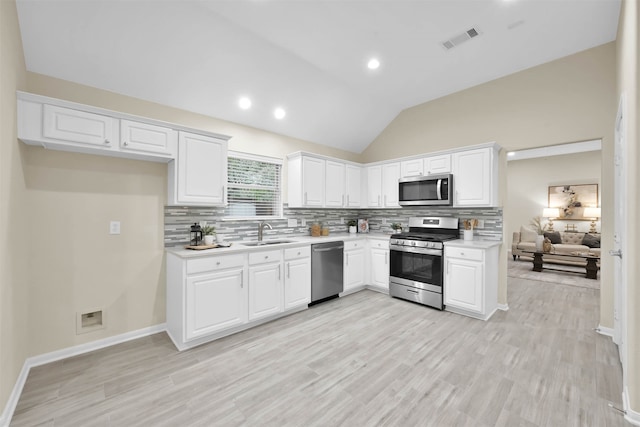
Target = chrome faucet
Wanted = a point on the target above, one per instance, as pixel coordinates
(261, 227)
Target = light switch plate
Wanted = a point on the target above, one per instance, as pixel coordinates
(114, 227)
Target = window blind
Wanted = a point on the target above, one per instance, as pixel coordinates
(253, 186)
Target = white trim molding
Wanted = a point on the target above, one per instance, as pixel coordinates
(603, 330)
(43, 359)
(503, 307)
(630, 415)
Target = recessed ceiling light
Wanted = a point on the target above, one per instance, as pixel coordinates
(244, 103)
(373, 64)
(279, 113)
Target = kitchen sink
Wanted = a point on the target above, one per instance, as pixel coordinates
(267, 242)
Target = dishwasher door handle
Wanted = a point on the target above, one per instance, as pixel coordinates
(329, 249)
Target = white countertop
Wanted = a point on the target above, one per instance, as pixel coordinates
(295, 241)
(475, 243)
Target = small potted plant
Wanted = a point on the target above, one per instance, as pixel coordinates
(209, 232)
(352, 225)
(397, 227)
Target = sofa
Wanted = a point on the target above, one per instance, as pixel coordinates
(561, 243)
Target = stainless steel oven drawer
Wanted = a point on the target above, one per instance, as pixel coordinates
(432, 299)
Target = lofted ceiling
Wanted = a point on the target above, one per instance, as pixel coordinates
(308, 57)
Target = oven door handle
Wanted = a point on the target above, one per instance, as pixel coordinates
(412, 250)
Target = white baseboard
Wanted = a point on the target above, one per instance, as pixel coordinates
(603, 330)
(503, 307)
(630, 415)
(54, 356)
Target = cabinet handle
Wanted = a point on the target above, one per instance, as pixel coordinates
(278, 271)
(126, 143)
(348, 200)
(385, 200)
(241, 280)
(305, 197)
(343, 200)
(218, 263)
(289, 269)
(378, 200)
(347, 259)
(266, 257)
(106, 141)
(386, 258)
(224, 192)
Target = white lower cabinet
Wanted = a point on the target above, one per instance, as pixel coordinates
(265, 284)
(215, 301)
(212, 296)
(379, 256)
(471, 280)
(297, 279)
(354, 265)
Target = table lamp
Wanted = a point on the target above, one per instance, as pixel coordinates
(550, 213)
(594, 214)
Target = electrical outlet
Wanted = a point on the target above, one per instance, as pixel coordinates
(384, 221)
(114, 227)
(341, 220)
(292, 222)
(480, 223)
(303, 222)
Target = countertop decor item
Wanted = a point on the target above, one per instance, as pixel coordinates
(195, 235)
(209, 232)
(352, 226)
(363, 226)
(397, 227)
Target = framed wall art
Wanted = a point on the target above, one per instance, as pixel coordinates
(572, 199)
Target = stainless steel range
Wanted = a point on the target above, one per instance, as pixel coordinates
(416, 267)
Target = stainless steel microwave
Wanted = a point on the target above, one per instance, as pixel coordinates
(427, 190)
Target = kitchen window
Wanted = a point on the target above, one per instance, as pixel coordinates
(254, 186)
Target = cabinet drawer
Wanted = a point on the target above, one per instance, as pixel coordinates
(214, 263)
(294, 253)
(349, 246)
(265, 256)
(464, 253)
(380, 244)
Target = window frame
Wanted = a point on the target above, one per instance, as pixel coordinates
(256, 158)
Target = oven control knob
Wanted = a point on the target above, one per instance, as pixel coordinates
(413, 243)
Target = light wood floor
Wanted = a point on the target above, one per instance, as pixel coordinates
(362, 360)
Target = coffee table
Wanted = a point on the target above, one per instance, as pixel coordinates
(591, 267)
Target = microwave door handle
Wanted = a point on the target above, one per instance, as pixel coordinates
(439, 189)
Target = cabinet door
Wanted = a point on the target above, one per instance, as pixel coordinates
(413, 167)
(214, 302)
(374, 186)
(80, 127)
(437, 164)
(464, 285)
(312, 181)
(146, 138)
(265, 290)
(353, 268)
(352, 186)
(297, 283)
(202, 170)
(334, 184)
(380, 267)
(390, 177)
(472, 180)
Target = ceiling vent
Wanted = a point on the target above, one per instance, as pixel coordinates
(460, 38)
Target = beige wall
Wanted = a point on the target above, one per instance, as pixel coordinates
(14, 226)
(72, 199)
(529, 180)
(567, 100)
(628, 43)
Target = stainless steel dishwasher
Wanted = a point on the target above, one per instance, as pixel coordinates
(326, 270)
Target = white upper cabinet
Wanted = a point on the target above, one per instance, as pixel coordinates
(390, 177)
(74, 126)
(475, 177)
(147, 138)
(437, 164)
(334, 184)
(199, 175)
(374, 186)
(306, 181)
(413, 167)
(353, 187)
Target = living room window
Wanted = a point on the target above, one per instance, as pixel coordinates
(254, 186)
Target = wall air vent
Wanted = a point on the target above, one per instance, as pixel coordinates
(460, 38)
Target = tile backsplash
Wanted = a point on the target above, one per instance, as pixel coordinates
(178, 219)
